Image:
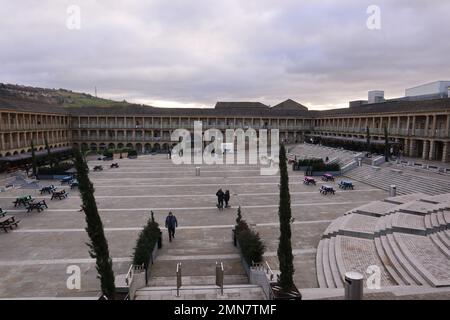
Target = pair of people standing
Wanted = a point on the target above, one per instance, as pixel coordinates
(223, 197)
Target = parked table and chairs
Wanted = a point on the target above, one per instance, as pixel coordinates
(59, 195)
(326, 189)
(66, 179)
(344, 184)
(328, 177)
(48, 189)
(22, 201)
(8, 223)
(309, 180)
(39, 206)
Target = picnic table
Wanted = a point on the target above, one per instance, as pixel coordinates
(39, 206)
(59, 195)
(98, 168)
(309, 180)
(327, 177)
(74, 184)
(8, 223)
(22, 201)
(346, 185)
(66, 179)
(326, 190)
(2, 212)
(48, 189)
(114, 165)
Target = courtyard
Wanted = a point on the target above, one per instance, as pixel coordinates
(35, 256)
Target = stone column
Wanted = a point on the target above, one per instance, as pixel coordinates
(446, 152)
(406, 148)
(426, 149)
(432, 147)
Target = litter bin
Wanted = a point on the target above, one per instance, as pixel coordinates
(353, 285)
(393, 191)
(197, 171)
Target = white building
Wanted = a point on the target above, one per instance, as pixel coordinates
(437, 89)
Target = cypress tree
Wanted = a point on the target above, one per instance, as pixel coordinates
(284, 252)
(33, 159)
(386, 144)
(239, 215)
(98, 246)
(368, 138)
(49, 155)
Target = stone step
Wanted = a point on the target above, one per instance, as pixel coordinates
(403, 258)
(327, 265)
(426, 259)
(319, 266)
(390, 267)
(197, 280)
(210, 292)
(337, 276)
(442, 246)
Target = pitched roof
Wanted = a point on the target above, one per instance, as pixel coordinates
(290, 104)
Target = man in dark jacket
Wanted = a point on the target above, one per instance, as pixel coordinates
(171, 224)
(220, 196)
(226, 197)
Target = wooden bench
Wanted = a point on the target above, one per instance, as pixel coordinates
(98, 168)
(8, 223)
(39, 206)
(74, 184)
(309, 180)
(346, 185)
(22, 201)
(114, 165)
(59, 195)
(2, 212)
(326, 190)
(327, 177)
(47, 189)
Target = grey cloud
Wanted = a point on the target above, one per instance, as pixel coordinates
(198, 52)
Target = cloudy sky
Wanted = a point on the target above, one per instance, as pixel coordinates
(197, 52)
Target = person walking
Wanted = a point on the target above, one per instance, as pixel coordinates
(226, 197)
(220, 196)
(171, 224)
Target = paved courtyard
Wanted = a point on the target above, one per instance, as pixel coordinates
(34, 258)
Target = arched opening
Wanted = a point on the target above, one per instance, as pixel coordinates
(111, 146)
(165, 147)
(156, 147)
(84, 146)
(139, 147)
(130, 146)
(93, 146)
(15, 153)
(102, 146)
(22, 151)
(120, 146)
(147, 147)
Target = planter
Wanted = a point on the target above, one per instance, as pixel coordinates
(279, 294)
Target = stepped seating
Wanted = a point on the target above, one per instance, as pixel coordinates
(408, 238)
(406, 182)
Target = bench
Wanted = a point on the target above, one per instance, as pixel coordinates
(98, 168)
(2, 212)
(47, 189)
(59, 195)
(8, 223)
(22, 201)
(39, 206)
(67, 180)
(74, 184)
(327, 177)
(114, 165)
(326, 190)
(309, 180)
(346, 185)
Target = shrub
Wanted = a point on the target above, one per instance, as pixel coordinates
(252, 247)
(146, 243)
(132, 152)
(58, 169)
